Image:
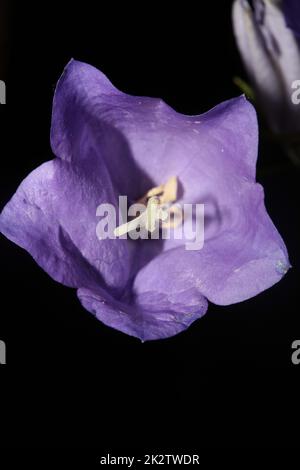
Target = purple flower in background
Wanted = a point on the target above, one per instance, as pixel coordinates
(107, 144)
(271, 55)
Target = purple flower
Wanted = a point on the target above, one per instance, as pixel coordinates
(271, 55)
(108, 144)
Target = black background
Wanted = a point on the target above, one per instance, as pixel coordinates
(228, 381)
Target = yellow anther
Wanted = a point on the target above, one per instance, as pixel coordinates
(166, 192)
(170, 191)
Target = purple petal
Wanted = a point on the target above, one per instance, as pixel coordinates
(159, 313)
(53, 216)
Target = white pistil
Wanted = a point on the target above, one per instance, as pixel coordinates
(147, 219)
(157, 200)
(152, 213)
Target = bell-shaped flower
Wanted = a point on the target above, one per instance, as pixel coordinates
(109, 144)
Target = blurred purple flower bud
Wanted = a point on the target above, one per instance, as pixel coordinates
(271, 55)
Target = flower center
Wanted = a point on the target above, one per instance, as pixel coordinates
(159, 206)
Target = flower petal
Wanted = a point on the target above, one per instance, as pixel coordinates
(53, 216)
(83, 103)
(84, 97)
(160, 141)
(159, 313)
(218, 161)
